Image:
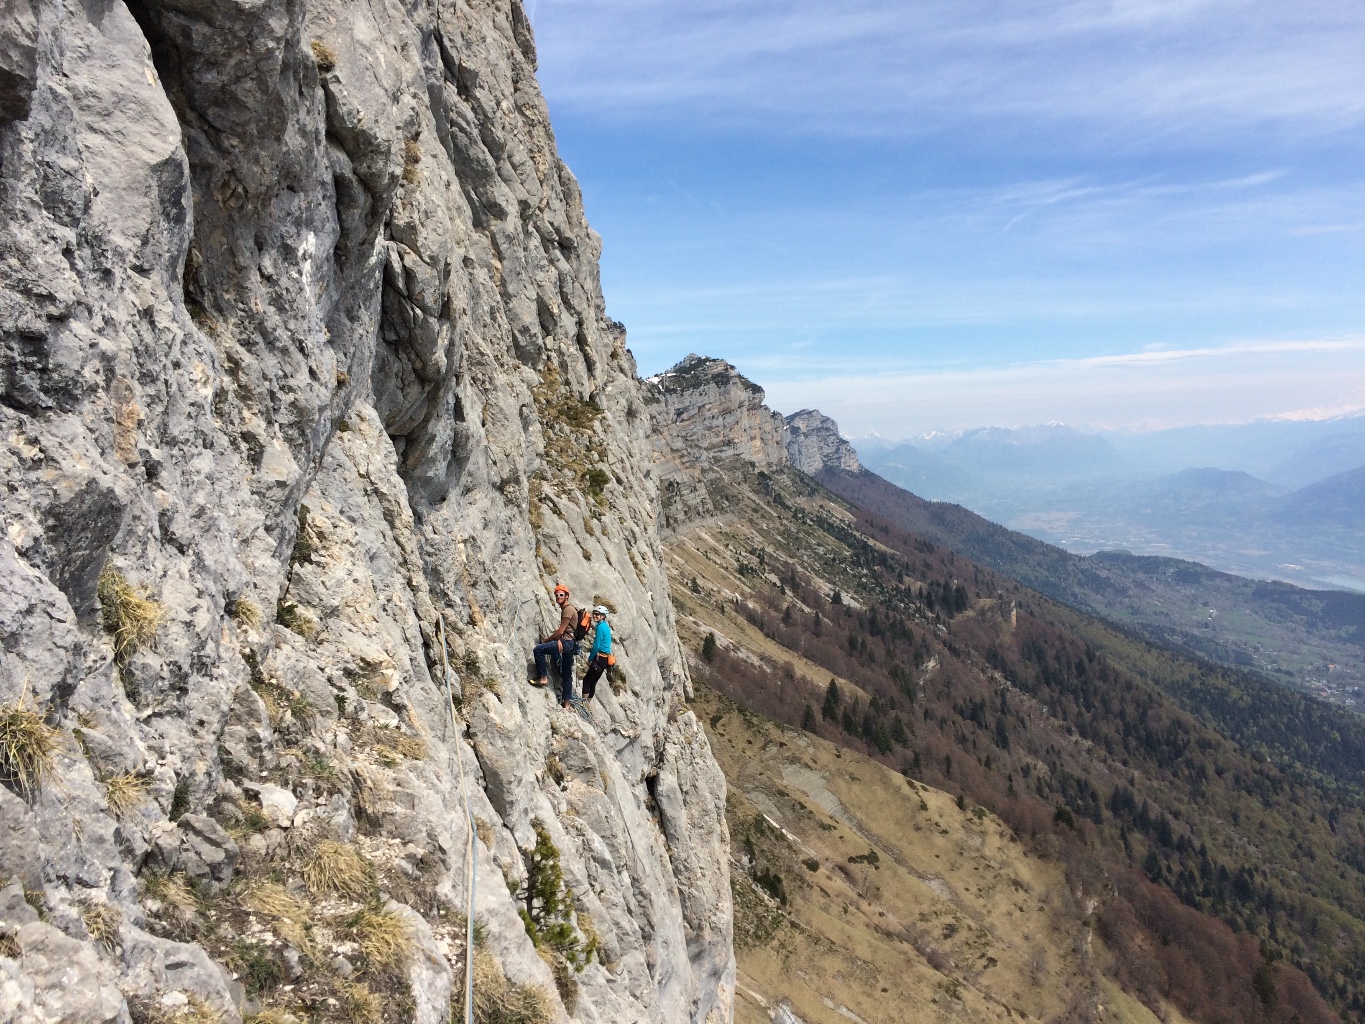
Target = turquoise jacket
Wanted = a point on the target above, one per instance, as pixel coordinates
(601, 640)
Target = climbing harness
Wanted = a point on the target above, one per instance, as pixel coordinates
(471, 847)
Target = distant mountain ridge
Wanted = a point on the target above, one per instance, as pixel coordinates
(1085, 493)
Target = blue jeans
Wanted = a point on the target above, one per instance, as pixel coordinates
(562, 653)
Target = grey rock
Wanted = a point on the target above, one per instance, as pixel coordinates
(14, 909)
(277, 804)
(154, 966)
(206, 849)
(429, 975)
(70, 983)
(164, 842)
(814, 444)
(18, 58)
(707, 415)
(20, 855)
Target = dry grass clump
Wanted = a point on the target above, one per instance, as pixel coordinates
(382, 937)
(28, 746)
(275, 1015)
(412, 158)
(499, 1001)
(484, 829)
(246, 612)
(288, 916)
(288, 615)
(337, 868)
(395, 744)
(195, 1011)
(102, 921)
(130, 615)
(124, 792)
(9, 948)
(324, 55)
(180, 904)
(361, 1005)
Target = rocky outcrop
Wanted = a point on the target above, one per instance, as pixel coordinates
(705, 414)
(815, 445)
(308, 396)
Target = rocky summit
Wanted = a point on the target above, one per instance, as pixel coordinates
(706, 413)
(309, 397)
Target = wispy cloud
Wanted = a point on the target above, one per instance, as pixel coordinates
(1154, 389)
(890, 66)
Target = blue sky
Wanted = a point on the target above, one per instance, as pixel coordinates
(1132, 214)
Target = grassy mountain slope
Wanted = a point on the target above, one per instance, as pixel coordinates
(896, 904)
(1312, 638)
(1223, 882)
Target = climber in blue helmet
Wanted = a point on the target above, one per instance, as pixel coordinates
(600, 658)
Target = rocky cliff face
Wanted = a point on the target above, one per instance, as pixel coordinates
(814, 444)
(706, 413)
(307, 393)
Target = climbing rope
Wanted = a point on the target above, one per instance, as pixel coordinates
(471, 847)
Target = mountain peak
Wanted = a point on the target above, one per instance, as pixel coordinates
(696, 371)
(814, 444)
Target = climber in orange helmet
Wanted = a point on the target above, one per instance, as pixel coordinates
(559, 645)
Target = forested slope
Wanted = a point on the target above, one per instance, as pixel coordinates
(1311, 639)
(1233, 826)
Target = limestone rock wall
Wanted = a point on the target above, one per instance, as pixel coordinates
(814, 444)
(706, 414)
(304, 348)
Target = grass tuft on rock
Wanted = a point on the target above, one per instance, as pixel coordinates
(288, 615)
(499, 1001)
(362, 1006)
(102, 922)
(274, 1015)
(28, 747)
(124, 793)
(195, 1011)
(288, 916)
(337, 869)
(323, 54)
(393, 744)
(256, 966)
(248, 613)
(381, 936)
(173, 901)
(129, 614)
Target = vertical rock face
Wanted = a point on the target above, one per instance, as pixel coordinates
(815, 445)
(706, 413)
(304, 349)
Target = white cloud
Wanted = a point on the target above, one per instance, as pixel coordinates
(895, 67)
(1152, 389)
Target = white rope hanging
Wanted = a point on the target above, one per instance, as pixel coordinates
(471, 846)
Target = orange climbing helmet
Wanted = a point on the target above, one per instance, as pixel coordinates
(561, 589)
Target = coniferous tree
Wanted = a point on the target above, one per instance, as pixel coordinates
(898, 731)
(808, 719)
(831, 709)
